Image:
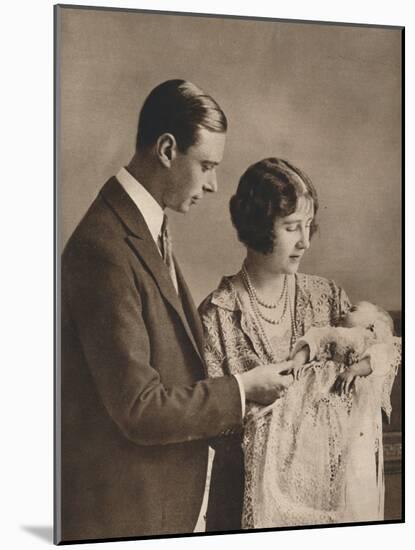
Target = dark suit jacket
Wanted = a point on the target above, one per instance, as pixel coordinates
(136, 410)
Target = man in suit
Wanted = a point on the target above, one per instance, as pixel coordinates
(136, 410)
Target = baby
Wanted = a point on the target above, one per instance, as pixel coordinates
(360, 343)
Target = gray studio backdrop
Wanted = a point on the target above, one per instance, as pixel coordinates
(325, 97)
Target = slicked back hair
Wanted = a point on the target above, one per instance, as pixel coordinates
(180, 108)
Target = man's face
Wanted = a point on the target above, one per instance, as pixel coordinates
(194, 172)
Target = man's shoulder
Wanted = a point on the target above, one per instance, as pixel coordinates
(99, 233)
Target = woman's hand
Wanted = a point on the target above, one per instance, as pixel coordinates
(345, 381)
(301, 361)
(298, 370)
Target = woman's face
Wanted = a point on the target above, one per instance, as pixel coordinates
(292, 238)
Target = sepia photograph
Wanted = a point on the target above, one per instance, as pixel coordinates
(228, 274)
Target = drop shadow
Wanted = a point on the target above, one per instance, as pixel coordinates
(44, 532)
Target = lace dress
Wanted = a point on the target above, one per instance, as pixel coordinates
(315, 457)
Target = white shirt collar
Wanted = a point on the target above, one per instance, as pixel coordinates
(150, 209)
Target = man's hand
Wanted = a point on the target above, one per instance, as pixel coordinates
(267, 383)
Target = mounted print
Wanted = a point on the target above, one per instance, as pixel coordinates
(228, 274)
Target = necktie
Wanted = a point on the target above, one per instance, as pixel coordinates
(166, 251)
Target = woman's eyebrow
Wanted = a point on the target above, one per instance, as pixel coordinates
(289, 222)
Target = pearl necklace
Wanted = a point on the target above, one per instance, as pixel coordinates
(293, 327)
(255, 309)
(265, 304)
(253, 297)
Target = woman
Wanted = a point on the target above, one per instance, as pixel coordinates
(255, 317)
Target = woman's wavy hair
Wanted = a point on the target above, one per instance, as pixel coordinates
(269, 189)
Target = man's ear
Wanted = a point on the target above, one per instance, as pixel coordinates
(166, 149)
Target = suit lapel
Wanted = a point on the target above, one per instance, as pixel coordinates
(141, 241)
(190, 310)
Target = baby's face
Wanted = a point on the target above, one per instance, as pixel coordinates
(362, 315)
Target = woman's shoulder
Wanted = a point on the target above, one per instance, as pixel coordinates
(316, 283)
(325, 301)
(223, 297)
